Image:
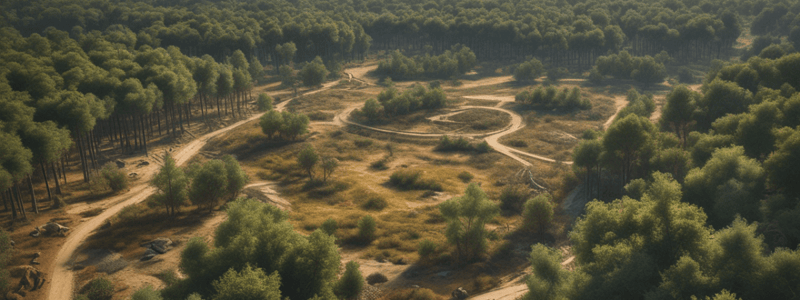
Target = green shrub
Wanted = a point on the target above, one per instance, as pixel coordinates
(81, 297)
(114, 177)
(426, 249)
(538, 213)
(483, 147)
(98, 289)
(264, 102)
(513, 197)
(459, 144)
(375, 203)
(362, 142)
(465, 176)
(412, 180)
(329, 226)
(351, 283)
(379, 165)
(367, 228)
(146, 293)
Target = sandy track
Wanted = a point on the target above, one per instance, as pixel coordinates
(61, 282)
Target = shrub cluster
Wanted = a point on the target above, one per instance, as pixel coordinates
(447, 144)
(412, 180)
(552, 98)
(393, 103)
(458, 60)
(285, 124)
(644, 69)
(114, 177)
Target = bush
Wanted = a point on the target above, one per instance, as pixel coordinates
(98, 289)
(351, 283)
(146, 293)
(367, 228)
(459, 144)
(362, 142)
(264, 102)
(538, 213)
(376, 278)
(411, 180)
(114, 177)
(465, 176)
(375, 203)
(414, 294)
(513, 197)
(329, 226)
(379, 165)
(426, 249)
(483, 147)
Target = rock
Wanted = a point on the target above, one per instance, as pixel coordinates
(37, 254)
(143, 163)
(54, 228)
(133, 175)
(36, 232)
(400, 261)
(148, 254)
(120, 164)
(32, 280)
(459, 293)
(34, 262)
(443, 274)
(376, 278)
(13, 296)
(160, 245)
(12, 243)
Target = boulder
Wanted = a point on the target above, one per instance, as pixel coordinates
(459, 294)
(120, 164)
(52, 228)
(36, 232)
(37, 254)
(32, 280)
(143, 163)
(148, 254)
(12, 243)
(160, 245)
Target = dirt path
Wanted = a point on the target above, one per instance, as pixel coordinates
(61, 282)
(619, 102)
(501, 100)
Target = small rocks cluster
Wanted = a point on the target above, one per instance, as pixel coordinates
(155, 247)
(459, 294)
(51, 228)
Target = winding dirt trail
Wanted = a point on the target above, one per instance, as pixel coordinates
(61, 281)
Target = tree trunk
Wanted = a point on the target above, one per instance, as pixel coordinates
(33, 195)
(18, 195)
(55, 177)
(10, 198)
(46, 183)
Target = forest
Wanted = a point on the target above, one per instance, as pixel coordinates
(697, 196)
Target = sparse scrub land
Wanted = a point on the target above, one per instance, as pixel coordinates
(412, 180)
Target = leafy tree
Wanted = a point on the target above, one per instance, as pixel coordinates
(649, 71)
(677, 111)
(538, 213)
(627, 141)
(720, 98)
(466, 219)
(351, 283)
(172, 185)
(548, 280)
(114, 177)
(529, 70)
(372, 110)
(264, 102)
(329, 226)
(248, 284)
(237, 178)
(329, 164)
(98, 289)
(271, 122)
(587, 156)
(293, 125)
(286, 52)
(307, 159)
(314, 73)
(783, 164)
(209, 184)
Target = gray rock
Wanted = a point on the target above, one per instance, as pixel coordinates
(12, 243)
(120, 164)
(160, 245)
(149, 254)
(36, 232)
(34, 262)
(460, 293)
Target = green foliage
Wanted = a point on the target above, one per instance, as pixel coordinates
(366, 228)
(258, 236)
(329, 164)
(538, 213)
(237, 178)
(329, 226)
(392, 103)
(512, 197)
(351, 283)
(529, 70)
(314, 73)
(466, 218)
(412, 180)
(548, 279)
(209, 184)
(458, 60)
(426, 249)
(458, 144)
(465, 176)
(146, 293)
(551, 98)
(264, 102)
(172, 185)
(640, 105)
(375, 203)
(114, 177)
(307, 159)
(271, 122)
(249, 284)
(98, 289)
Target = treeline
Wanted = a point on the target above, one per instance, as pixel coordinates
(646, 69)
(456, 61)
(393, 103)
(703, 204)
(57, 91)
(551, 98)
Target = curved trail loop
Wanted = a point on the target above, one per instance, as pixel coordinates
(61, 283)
